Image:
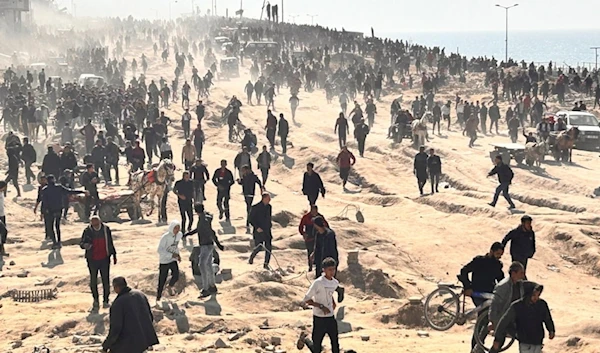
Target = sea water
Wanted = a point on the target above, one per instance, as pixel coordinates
(563, 48)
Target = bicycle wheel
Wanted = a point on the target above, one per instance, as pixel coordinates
(482, 332)
(442, 307)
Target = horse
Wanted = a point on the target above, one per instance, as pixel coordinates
(535, 152)
(151, 183)
(419, 129)
(563, 145)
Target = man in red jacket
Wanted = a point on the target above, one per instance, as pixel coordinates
(345, 160)
(307, 230)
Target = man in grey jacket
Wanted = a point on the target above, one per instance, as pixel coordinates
(505, 293)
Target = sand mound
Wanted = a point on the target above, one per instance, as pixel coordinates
(408, 315)
(371, 281)
(269, 297)
(283, 218)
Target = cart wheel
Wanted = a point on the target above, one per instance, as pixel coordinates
(107, 213)
(131, 212)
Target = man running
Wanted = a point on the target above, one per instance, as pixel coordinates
(223, 179)
(345, 161)
(522, 241)
(260, 219)
(320, 297)
(184, 189)
(312, 184)
(307, 231)
(248, 181)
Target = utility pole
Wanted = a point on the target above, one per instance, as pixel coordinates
(312, 18)
(506, 8)
(595, 49)
(281, 11)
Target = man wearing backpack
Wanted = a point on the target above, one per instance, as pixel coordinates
(505, 176)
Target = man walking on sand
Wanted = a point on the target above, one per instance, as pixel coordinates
(260, 219)
(345, 161)
(312, 184)
(98, 244)
(420, 168)
(207, 238)
(434, 167)
(320, 297)
(168, 252)
(505, 176)
(522, 241)
(308, 232)
(131, 321)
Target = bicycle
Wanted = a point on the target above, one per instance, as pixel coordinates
(449, 312)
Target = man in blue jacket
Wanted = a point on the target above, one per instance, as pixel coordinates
(52, 204)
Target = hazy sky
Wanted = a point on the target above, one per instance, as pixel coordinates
(385, 16)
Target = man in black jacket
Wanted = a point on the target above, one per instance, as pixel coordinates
(312, 184)
(434, 166)
(284, 129)
(184, 189)
(29, 156)
(248, 181)
(131, 321)
(199, 175)
(112, 152)
(486, 271)
(529, 314)
(89, 180)
(207, 238)
(260, 218)
(98, 244)
(223, 179)
(505, 176)
(68, 159)
(263, 162)
(99, 160)
(52, 203)
(522, 241)
(361, 130)
(420, 168)
(51, 163)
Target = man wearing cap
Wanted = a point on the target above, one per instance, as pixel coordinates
(522, 241)
(29, 156)
(52, 204)
(98, 243)
(260, 219)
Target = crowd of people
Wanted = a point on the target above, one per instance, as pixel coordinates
(98, 124)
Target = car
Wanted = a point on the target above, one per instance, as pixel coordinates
(90, 80)
(588, 125)
(253, 47)
(229, 67)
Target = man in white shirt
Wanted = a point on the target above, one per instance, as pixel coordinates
(186, 118)
(446, 113)
(320, 297)
(168, 256)
(460, 112)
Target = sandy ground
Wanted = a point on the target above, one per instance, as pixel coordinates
(406, 245)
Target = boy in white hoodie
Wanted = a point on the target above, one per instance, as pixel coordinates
(168, 251)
